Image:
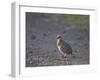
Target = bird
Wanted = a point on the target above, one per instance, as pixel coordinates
(63, 47)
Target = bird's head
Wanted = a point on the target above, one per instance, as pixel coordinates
(59, 36)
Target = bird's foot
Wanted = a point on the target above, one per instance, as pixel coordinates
(64, 56)
(69, 62)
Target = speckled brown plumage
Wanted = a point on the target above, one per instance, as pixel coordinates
(63, 47)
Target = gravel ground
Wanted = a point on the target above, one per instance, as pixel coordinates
(41, 50)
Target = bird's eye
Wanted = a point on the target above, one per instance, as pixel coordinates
(59, 37)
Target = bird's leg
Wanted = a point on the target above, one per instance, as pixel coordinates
(65, 56)
(67, 59)
(69, 62)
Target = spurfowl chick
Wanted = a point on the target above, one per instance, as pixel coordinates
(63, 47)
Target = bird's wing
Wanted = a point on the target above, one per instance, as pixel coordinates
(66, 44)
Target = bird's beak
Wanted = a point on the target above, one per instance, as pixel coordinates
(58, 37)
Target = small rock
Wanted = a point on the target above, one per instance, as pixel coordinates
(79, 38)
(85, 44)
(55, 50)
(75, 43)
(76, 51)
(30, 62)
(64, 32)
(44, 34)
(33, 37)
(30, 52)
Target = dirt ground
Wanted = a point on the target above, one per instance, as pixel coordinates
(41, 32)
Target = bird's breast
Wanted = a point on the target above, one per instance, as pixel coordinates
(58, 42)
(59, 48)
(59, 45)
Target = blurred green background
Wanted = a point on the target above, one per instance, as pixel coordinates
(78, 20)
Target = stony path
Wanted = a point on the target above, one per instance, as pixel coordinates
(41, 47)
